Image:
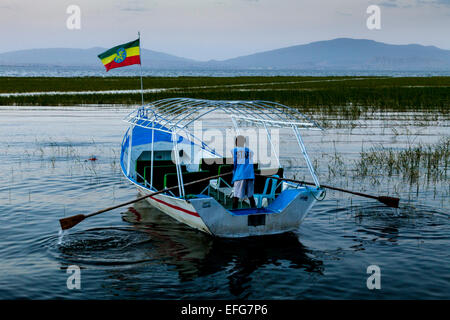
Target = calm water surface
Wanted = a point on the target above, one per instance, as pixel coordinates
(99, 71)
(138, 252)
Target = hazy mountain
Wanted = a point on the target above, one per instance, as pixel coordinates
(85, 57)
(345, 53)
(337, 54)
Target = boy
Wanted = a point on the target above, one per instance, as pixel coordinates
(243, 173)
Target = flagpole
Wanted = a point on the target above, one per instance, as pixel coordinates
(140, 67)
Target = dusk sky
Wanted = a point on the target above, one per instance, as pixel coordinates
(218, 29)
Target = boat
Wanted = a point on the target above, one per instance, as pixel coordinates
(164, 152)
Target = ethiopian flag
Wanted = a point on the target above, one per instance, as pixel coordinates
(122, 55)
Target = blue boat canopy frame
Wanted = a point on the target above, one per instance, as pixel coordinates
(171, 120)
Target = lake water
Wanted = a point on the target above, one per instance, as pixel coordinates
(99, 71)
(138, 252)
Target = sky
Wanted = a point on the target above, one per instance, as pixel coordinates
(218, 29)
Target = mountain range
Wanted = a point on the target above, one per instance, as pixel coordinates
(336, 54)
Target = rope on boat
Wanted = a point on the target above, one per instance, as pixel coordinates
(319, 198)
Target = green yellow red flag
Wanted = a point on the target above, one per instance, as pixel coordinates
(122, 55)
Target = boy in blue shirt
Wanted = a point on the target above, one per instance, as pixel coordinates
(243, 173)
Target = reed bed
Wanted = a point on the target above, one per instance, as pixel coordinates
(38, 84)
(413, 163)
(344, 97)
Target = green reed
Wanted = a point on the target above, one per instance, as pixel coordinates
(413, 163)
(348, 98)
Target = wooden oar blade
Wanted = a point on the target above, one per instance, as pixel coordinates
(389, 201)
(67, 223)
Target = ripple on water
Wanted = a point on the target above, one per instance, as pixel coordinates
(100, 247)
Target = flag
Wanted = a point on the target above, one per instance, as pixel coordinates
(122, 55)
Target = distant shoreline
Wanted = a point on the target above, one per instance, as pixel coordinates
(87, 72)
(27, 70)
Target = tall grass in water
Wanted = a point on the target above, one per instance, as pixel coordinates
(347, 97)
(429, 161)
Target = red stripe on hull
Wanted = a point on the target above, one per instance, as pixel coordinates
(127, 62)
(192, 213)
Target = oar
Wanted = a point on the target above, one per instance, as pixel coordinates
(69, 222)
(389, 201)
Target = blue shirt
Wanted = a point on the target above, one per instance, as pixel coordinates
(243, 164)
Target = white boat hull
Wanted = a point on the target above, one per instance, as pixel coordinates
(178, 209)
(209, 216)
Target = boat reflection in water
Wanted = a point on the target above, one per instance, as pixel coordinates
(195, 254)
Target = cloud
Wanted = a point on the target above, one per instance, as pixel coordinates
(134, 9)
(413, 3)
(135, 6)
(444, 2)
(399, 3)
(342, 13)
(389, 3)
(8, 6)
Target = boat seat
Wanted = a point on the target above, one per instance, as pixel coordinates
(141, 164)
(226, 180)
(213, 164)
(158, 174)
(224, 185)
(171, 180)
(268, 194)
(267, 172)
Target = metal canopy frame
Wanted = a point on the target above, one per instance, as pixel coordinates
(175, 115)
